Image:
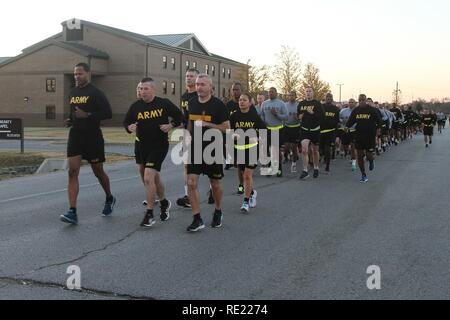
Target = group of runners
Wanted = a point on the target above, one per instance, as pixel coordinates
(310, 130)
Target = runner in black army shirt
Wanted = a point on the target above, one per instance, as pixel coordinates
(88, 106)
(233, 106)
(206, 112)
(428, 122)
(328, 129)
(367, 120)
(310, 113)
(149, 118)
(191, 93)
(396, 126)
(246, 152)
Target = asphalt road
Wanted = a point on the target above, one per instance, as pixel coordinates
(310, 239)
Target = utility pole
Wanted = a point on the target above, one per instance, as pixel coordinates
(340, 91)
(397, 92)
(396, 95)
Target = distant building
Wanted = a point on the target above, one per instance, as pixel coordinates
(35, 84)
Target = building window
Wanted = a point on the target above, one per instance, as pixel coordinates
(187, 65)
(172, 85)
(194, 65)
(165, 87)
(223, 73)
(51, 85)
(50, 112)
(207, 69)
(164, 62)
(173, 63)
(213, 71)
(229, 73)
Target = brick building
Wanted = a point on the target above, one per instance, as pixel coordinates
(35, 85)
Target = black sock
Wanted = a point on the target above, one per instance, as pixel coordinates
(197, 217)
(217, 211)
(246, 200)
(150, 212)
(110, 198)
(253, 192)
(74, 210)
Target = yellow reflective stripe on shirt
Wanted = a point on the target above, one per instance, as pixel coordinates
(245, 147)
(137, 139)
(293, 126)
(315, 129)
(327, 130)
(276, 128)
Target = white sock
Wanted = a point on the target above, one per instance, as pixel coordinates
(354, 162)
(185, 190)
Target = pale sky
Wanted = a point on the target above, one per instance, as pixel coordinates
(366, 45)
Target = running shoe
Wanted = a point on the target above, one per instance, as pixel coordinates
(165, 214)
(252, 201)
(69, 217)
(184, 202)
(217, 220)
(148, 220)
(109, 207)
(196, 225)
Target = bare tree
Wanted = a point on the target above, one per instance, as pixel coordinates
(287, 72)
(257, 79)
(311, 78)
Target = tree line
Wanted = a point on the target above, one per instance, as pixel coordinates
(287, 75)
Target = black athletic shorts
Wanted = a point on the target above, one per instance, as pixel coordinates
(365, 143)
(348, 138)
(328, 138)
(246, 157)
(152, 158)
(428, 131)
(395, 125)
(292, 135)
(213, 171)
(137, 152)
(313, 136)
(89, 145)
(340, 133)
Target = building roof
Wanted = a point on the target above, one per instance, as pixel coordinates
(177, 40)
(165, 40)
(127, 34)
(173, 40)
(168, 41)
(83, 49)
(3, 59)
(72, 46)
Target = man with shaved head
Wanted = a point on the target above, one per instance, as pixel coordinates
(367, 120)
(205, 113)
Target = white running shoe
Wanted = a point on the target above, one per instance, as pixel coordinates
(252, 201)
(245, 207)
